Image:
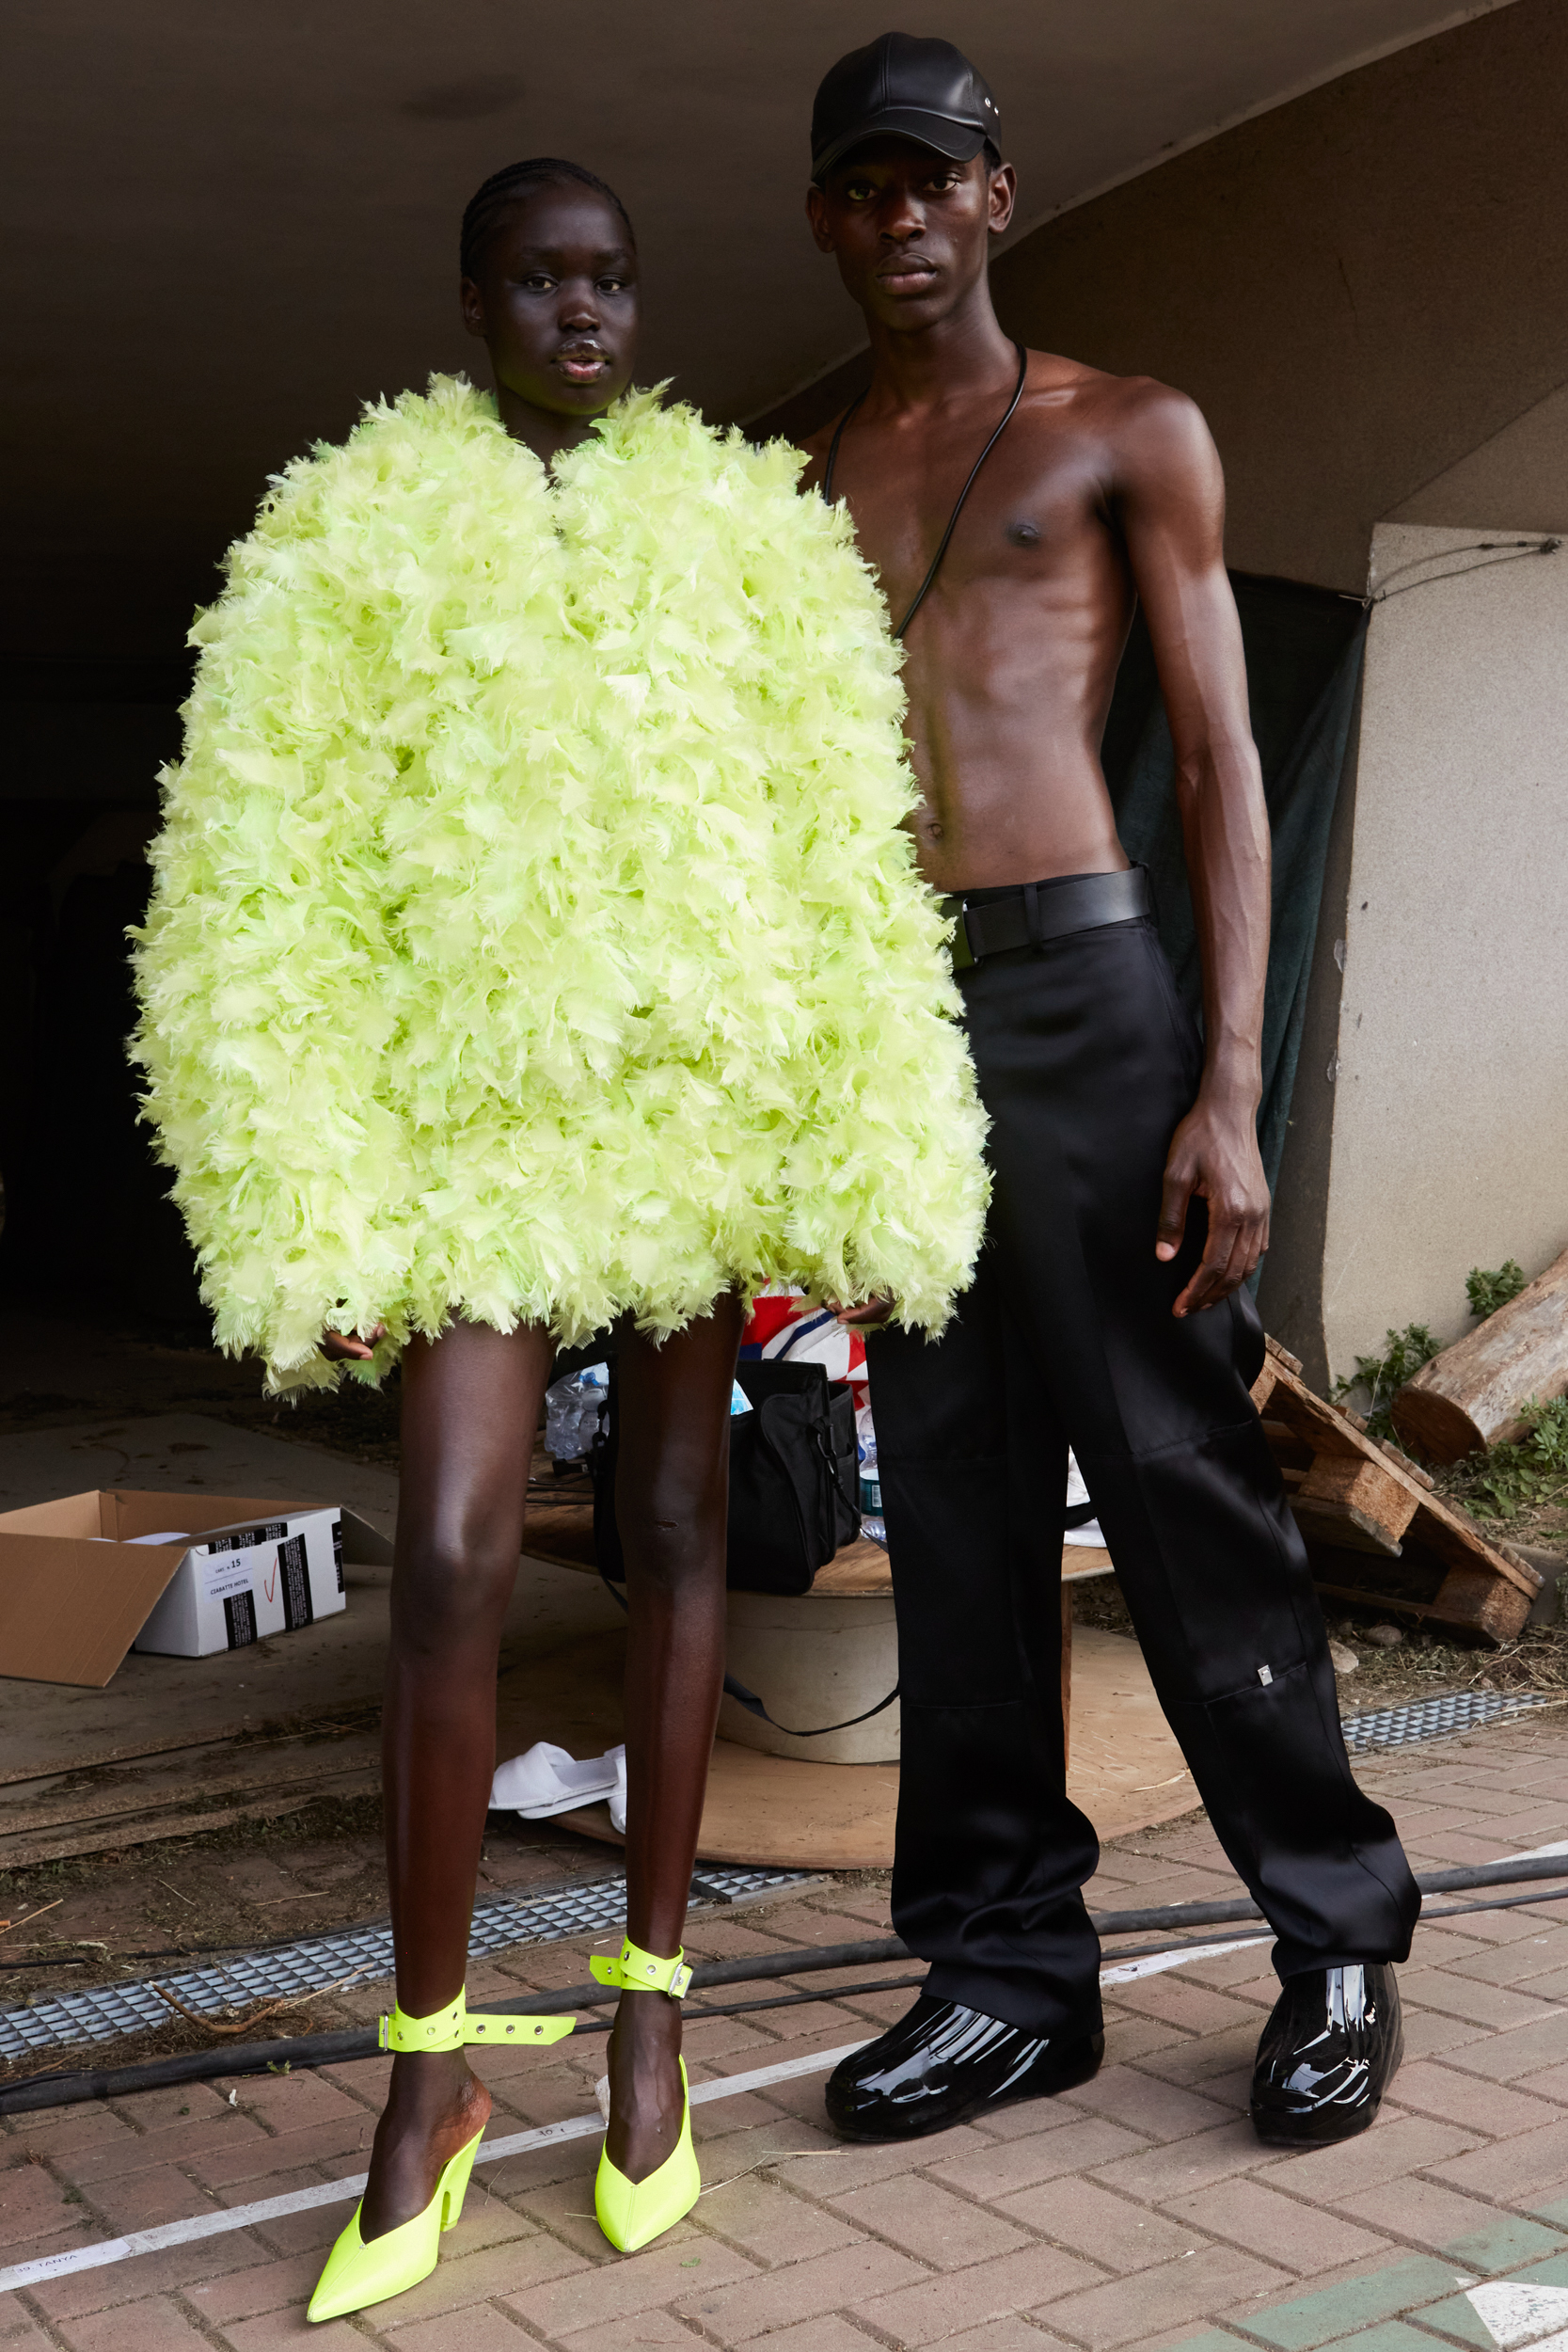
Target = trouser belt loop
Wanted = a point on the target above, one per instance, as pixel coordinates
(1032, 915)
(955, 911)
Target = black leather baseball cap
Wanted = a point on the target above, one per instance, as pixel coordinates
(898, 86)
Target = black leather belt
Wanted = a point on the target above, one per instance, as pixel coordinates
(1036, 912)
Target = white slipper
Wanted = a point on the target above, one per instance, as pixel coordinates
(546, 1780)
(1078, 1494)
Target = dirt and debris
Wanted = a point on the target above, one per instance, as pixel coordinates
(1422, 1665)
(157, 1910)
(1537, 1509)
(253, 1883)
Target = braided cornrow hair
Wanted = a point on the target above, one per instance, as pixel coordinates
(502, 189)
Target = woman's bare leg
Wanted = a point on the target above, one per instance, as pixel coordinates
(671, 1494)
(470, 1405)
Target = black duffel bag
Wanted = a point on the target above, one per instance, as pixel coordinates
(794, 1480)
(794, 1498)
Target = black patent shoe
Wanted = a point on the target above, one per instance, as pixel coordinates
(942, 2064)
(1328, 2055)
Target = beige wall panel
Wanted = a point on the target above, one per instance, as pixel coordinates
(1451, 1109)
(1519, 477)
(1359, 287)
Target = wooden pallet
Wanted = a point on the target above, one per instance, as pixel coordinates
(1377, 1533)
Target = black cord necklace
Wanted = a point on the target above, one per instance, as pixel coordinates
(953, 519)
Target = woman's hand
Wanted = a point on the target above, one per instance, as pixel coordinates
(875, 1310)
(347, 1346)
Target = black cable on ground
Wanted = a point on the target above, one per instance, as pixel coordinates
(331, 2048)
(358, 2041)
(780, 2000)
(1429, 1882)
(1105, 1922)
(1195, 1943)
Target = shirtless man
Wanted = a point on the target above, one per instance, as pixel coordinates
(1129, 1202)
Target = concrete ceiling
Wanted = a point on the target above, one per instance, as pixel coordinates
(235, 223)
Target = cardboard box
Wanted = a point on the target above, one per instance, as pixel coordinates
(77, 1587)
(263, 1576)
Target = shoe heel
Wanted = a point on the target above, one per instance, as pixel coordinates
(454, 2185)
(358, 2275)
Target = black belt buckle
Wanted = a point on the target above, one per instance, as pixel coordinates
(962, 951)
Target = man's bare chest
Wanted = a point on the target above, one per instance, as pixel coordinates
(1035, 519)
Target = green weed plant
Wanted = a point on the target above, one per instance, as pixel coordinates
(1509, 1480)
(1534, 1471)
(1404, 1352)
(1382, 1377)
(1487, 1292)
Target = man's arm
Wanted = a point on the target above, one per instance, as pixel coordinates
(1170, 500)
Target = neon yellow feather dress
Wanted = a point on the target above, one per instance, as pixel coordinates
(533, 936)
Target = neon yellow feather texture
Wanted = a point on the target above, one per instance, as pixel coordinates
(534, 936)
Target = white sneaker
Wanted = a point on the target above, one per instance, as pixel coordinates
(548, 1780)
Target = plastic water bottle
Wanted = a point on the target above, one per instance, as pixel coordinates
(872, 1526)
(574, 1408)
(865, 1446)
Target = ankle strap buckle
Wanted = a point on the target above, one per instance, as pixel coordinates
(441, 2030)
(634, 1970)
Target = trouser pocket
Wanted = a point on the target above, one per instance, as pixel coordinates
(1318, 1856)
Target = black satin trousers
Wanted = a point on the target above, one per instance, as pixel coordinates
(1086, 1063)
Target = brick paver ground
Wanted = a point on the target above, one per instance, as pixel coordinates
(1138, 2212)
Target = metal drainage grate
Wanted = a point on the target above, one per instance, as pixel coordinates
(353, 1958)
(1436, 1719)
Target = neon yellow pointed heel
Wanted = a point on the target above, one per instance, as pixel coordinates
(632, 2213)
(361, 2272)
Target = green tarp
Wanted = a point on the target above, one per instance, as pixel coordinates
(1303, 651)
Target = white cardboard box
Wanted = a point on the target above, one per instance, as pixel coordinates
(244, 1581)
(80, 1580)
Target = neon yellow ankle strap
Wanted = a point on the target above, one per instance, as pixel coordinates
(637, 1971)
(454, 2028)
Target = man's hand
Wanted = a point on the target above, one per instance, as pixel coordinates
(341, 1346)
(1214, 1154)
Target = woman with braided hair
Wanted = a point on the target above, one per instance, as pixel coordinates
(536, 948)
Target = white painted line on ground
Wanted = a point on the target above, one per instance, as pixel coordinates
(119, 2250)
(1157, 1962)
